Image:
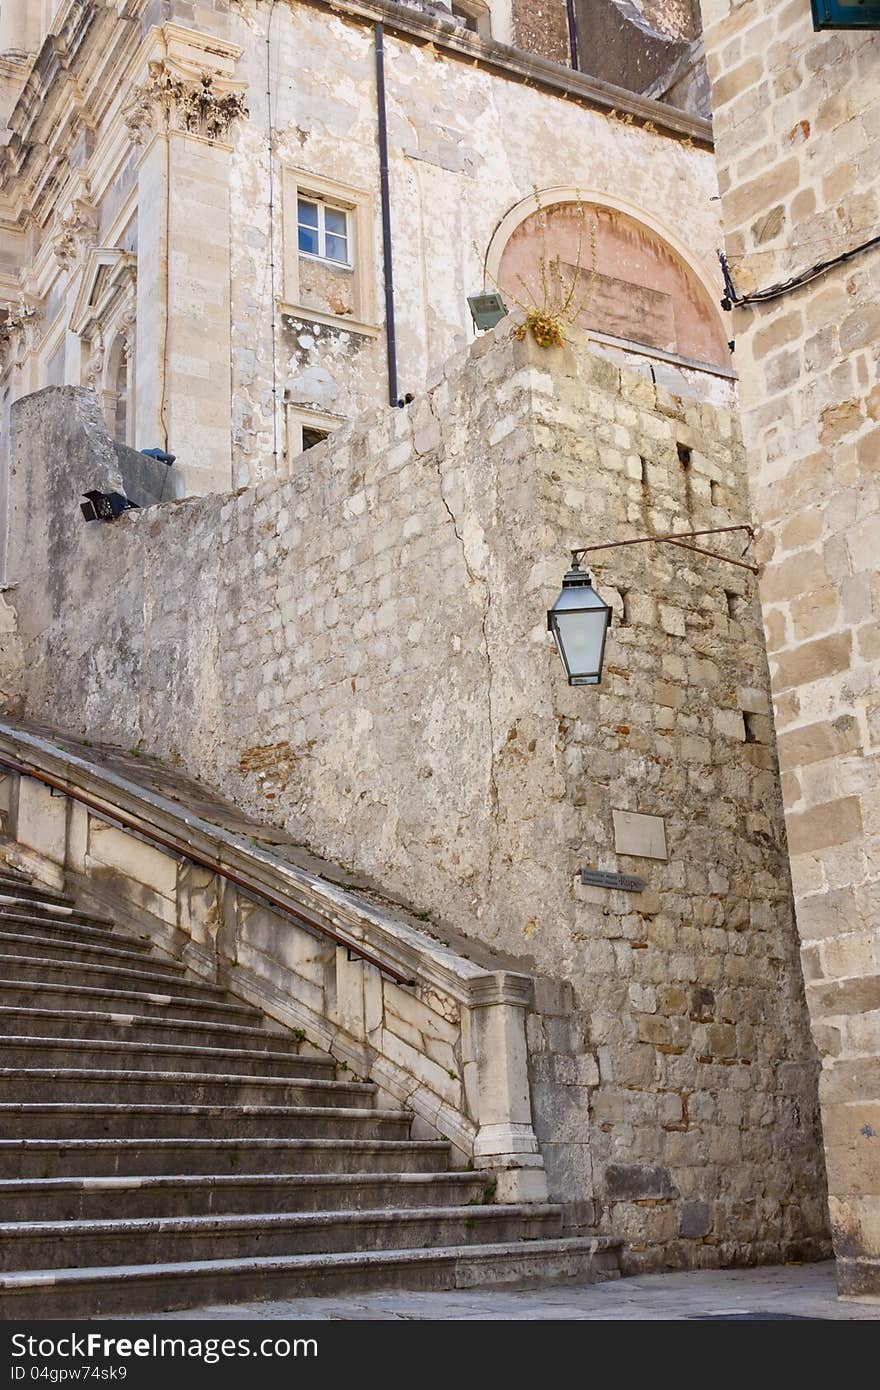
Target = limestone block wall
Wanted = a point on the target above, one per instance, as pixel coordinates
(797, 119)
(542, 28)
(360, 654)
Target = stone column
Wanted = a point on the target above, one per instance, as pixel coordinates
(151, 294)
(505, 1140)
(183, 385)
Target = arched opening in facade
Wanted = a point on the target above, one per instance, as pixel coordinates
(117, 393)
(641, 290)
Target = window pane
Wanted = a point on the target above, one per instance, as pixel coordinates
(337, 248)
(308, 240)
(336, 221)
(312, 437)
(307, 214)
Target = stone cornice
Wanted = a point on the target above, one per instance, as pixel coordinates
(68, 93)
(519, 66)
(63, 96)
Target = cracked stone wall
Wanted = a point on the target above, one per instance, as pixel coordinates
(360, 654)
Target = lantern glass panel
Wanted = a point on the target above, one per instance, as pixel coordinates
(580, 635)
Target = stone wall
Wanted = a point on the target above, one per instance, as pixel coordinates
(541, 26)
(797, 120)
(650, 48)
(360, 654)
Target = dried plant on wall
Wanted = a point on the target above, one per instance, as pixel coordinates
(555, 302)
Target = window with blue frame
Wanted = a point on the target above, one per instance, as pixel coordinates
(324, 231)
(846, 14)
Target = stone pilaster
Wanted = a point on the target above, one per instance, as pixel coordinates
(181, 116)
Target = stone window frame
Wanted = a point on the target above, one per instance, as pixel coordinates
(103, 318)
(300, 417)
(358, 204)
(479, 12)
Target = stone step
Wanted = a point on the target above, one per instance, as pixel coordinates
(15, 878)
(106, 1026)
(146, 1288)
(66, 1085)
(53, 995)
(99, 1199)
(33, 911)
(75, 933)
(42, 1120)
(52, 1158)
(26, 946)
(70, 972)
(24, 892)
(126, 1056)
(73, 1244)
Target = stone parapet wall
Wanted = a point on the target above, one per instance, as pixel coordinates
(360, 654)
(797, 120)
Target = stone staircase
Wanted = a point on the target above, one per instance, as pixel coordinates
(161, 1148)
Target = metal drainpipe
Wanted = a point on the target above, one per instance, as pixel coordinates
(387, 253)
(572, 34)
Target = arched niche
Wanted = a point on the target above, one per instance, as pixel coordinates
(648, 289)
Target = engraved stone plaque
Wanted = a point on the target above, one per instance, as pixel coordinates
(644, 836)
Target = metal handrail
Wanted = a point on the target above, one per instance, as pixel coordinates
(179, 847)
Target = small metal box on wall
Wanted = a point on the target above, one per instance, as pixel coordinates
(846, 14)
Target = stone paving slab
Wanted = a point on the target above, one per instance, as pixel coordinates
(778, 1291)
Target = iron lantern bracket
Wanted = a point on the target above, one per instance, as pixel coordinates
(680, 539)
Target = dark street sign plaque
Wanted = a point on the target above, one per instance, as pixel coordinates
(602, 878)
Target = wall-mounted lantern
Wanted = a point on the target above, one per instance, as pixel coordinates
(580, 619)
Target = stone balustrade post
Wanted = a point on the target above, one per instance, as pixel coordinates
(505, 1140)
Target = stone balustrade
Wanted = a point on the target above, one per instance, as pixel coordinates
(450, 1045)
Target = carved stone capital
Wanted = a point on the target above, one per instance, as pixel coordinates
(77, 234)
(203, 105)
(19, 329)
(502, 987)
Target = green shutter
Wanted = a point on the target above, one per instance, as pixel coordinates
(846, 14)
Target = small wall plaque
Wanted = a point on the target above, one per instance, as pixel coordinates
(603, 878)
(640, 835)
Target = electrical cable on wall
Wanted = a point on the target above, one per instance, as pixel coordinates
(732, 300)
(273, 305)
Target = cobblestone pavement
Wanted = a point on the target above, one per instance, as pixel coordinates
(790, 1291)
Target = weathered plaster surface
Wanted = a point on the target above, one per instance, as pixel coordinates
(360, 654)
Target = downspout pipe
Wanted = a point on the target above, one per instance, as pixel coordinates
(387, 246)
(572, 34)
